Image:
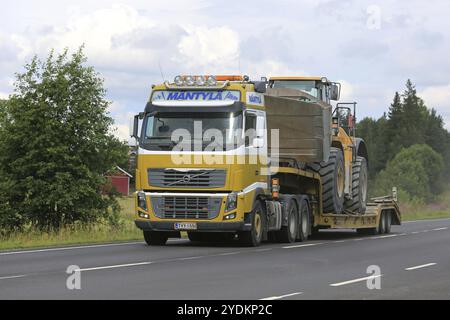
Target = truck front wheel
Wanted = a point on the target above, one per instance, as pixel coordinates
(155, 238)
(253, 237)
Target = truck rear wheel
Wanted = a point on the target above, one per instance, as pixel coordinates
(155, 238)
(305, 223)
(253, 237)
(332, 174)
(288, 233)
(359, 187)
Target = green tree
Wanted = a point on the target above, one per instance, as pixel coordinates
(57, 146)
(415, 170)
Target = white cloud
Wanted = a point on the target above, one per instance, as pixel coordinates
(209, 48)
(4, 96)
(438, 97)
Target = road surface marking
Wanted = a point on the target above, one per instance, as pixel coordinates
(229, 253)
(354, 281)
(421, 266)
(116, 266)
(339, 241)
(13, 277)
(438, 229)
(261, 250)
(359, 239)
(415, 232)
(283, 296)
(303, 245)
(190, 258)
(69, 248)
(388, 236)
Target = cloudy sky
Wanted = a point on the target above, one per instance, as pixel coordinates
(372, 47)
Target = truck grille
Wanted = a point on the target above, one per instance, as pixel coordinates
(185, 207)
(202, 178)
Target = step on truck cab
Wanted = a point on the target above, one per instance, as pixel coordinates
(223, 156)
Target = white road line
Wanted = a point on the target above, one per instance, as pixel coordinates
(354, 281)
(359, 239)
(13, 277)
(261, 250)
(69, 248)
(6, 253)
(415, 232)
(303, 245)
(283, 296)
(229, 253)
(116, 266)
(190, 258)
(421, 266)
(339, 241)
(387, 236)
(438, 229)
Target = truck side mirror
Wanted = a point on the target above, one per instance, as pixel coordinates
(135, 127)
(335, 92)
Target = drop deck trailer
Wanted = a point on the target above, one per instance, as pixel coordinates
(381, 212)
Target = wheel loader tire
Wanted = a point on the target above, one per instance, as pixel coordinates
(332, 176)
(359, 187)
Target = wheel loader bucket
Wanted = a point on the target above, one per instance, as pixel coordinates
(304, 125)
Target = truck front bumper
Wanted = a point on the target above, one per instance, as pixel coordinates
(201, 226)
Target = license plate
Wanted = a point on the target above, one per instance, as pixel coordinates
(185, 226)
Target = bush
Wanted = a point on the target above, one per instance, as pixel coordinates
(416, 171)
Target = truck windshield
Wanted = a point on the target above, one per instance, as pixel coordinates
(209, 131)
(304, 85)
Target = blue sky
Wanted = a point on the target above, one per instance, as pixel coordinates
(372, 47)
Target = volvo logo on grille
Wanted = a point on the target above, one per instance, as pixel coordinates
(186, 178)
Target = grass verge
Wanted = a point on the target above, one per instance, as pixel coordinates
(98, 233)
(417, 211)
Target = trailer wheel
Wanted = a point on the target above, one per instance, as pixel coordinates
(382, 224)
(288, 234)
(305, 224)
(332, 174)
(359, 187)
(155, 238)
(253, 237)
(388, 223)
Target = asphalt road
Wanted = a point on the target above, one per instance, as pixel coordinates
(414, 263)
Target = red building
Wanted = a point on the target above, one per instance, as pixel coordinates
(120, 180)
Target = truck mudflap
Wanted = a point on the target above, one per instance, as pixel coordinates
(201, 226)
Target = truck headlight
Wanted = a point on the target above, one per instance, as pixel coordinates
(231, 202)
(142, 200)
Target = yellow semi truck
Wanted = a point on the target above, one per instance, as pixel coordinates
(221, 157)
